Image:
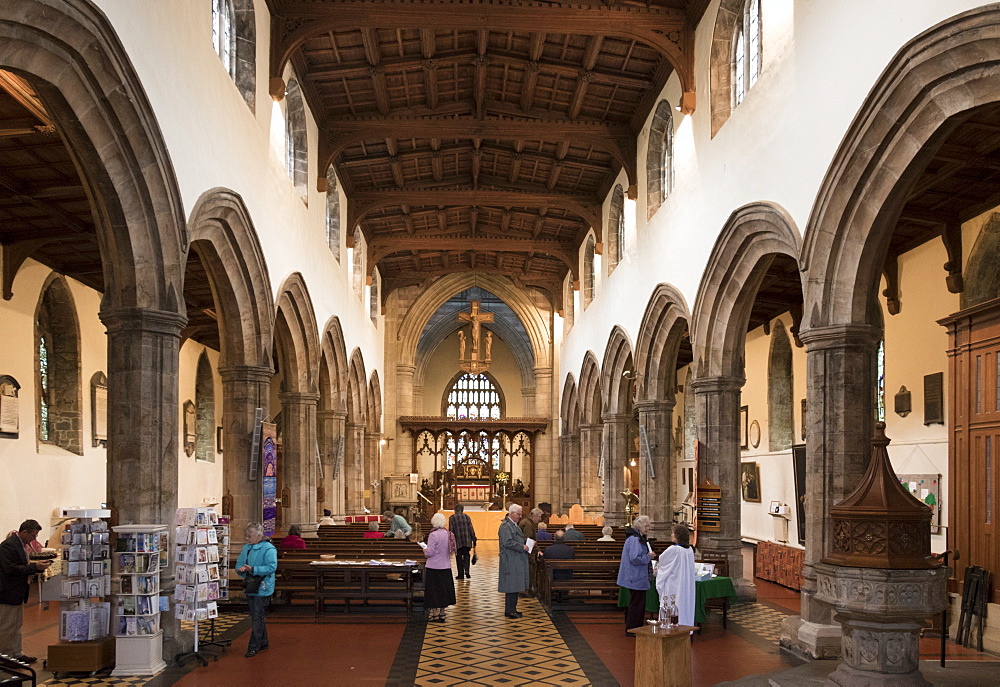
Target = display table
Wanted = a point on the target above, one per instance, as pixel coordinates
(485, 522)
(663, 657)
(348, 519)
(715, 588)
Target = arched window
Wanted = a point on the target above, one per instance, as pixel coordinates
(296, 153)
(616, 227)
(746, 50)
(234, 37)
(204, 402)
(359, 263)
(57, 369)
(880, 382)
(332, 213)
(659, 158)
(373, 304)
(474, 397)
(588, 272)
(779, 391)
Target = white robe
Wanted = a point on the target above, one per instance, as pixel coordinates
(675, 575)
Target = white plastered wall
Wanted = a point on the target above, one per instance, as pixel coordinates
(198, 481)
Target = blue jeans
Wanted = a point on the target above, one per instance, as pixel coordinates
(258, 632)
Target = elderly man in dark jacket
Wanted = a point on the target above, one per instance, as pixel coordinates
(15, 570)
(513, 561)
(460, 525)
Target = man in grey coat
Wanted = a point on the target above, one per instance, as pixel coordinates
(513, 561)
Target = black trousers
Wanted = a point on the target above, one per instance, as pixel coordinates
(258, 632)
(463, 557)
(510, 602)
(635, 616)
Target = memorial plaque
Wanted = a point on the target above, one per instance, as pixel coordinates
(99, 409)
(934, 399)
(9, 411)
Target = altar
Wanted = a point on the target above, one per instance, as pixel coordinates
(485, 522)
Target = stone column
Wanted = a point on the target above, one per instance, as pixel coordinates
(569, 450)
(244, 389)
(298, 411)
(615, 458)
(840, 417)
(544, 449)
(330, 428)
(717, 409)
(373, 469)
(402, 448)
(591, 441)
(353, 471)
(656, 493)
(143, 409)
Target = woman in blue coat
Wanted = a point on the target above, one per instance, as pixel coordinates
(258, 558)
(634, 571)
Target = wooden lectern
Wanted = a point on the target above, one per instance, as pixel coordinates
(663, 657)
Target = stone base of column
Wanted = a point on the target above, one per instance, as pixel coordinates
(746, 590)
(845, 676)
(813, 640)
(309, 531)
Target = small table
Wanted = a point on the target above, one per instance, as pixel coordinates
(663, 657)
(714, 588)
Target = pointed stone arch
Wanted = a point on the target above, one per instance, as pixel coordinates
(617, 381)
(333, 368)
(72, 56)
(750, 240)
(58, 387)
(374, 404)
(331, 414)
(570, 407)
(590, 391)
(946, 71)
(664, 326)
(354, 443)
(296, 336)
(618, 361)
(590, 395)
(569, 445)
(223, 236)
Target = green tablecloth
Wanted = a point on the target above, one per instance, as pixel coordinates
(715, 588)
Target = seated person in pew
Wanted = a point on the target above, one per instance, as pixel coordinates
(607, 531)
(572, 534)
(542, 533)
(559, 550)
(327, 518)
(293, 540)
(372, 532)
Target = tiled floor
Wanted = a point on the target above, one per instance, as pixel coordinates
(476, 646)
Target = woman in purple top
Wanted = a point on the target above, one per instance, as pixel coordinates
(439, 588)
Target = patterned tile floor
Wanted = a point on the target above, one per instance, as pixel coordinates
(477, 645)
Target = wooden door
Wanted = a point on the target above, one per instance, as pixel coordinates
(974, 441)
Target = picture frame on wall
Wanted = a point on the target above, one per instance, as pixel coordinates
(744, 428)
(750, 482)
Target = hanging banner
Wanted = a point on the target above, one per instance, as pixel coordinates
(269, 474)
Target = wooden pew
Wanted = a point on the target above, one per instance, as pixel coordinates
(593, 581)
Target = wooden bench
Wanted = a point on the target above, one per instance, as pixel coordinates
(593, 581)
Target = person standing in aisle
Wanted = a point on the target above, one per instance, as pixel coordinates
(461, 526)
(439, 589)
(634, 571)
(257, 564)
(15, 572)
(675, 574)
(513, 561)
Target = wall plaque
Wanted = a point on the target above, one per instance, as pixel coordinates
(9, 411)
(934, 399)
(99, 409)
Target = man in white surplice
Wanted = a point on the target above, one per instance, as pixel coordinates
(675, 575)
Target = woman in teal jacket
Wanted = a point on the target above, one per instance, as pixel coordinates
(258, 558)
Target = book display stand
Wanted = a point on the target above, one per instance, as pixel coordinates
(139, 556)
(198, 557)
(82, 590)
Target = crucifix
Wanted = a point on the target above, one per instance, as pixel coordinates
(477, 318)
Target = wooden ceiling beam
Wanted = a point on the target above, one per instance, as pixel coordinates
(382, 247)
(363, 203)
(666, 30)
(618, 141)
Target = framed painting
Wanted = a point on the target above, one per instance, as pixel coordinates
(750, 482)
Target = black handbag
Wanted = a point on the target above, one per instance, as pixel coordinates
(475, 556)
(251, 584)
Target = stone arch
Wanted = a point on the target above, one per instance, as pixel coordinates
(296, 337)
(408, 333)
(616, 228)
(780, 412)
(590, 397)
(664, 326)
(75, 62)
(224, 237)
(357, 389)
(618, 361)
(570, 407)
(590, 391)
(59, 396)
(982, 279)
(944, 72)
(296, 140)
(354, 439)
(570, 473)
(659, 158)
(374, 404)
(333, 368)
(750, 240)
(204, 402)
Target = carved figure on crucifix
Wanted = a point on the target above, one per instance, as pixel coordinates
(489, 345)
(477, 318)
(461, 344)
